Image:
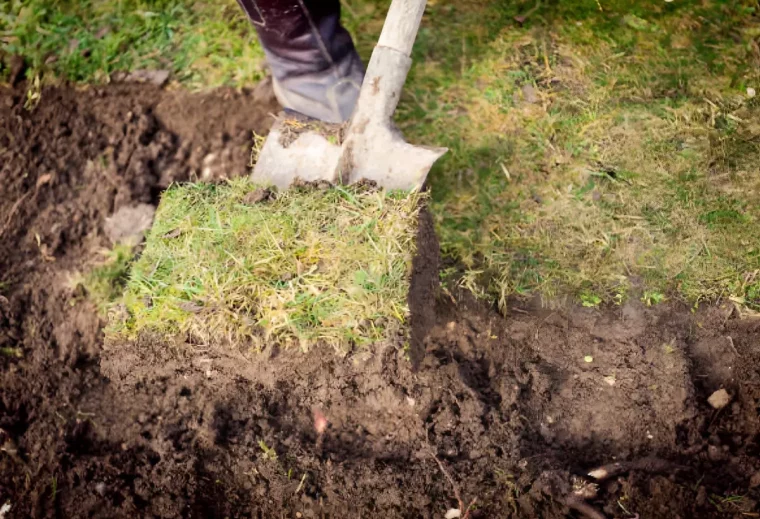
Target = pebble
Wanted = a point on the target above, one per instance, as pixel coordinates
(719, 399)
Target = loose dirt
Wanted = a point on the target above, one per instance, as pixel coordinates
(510, 411)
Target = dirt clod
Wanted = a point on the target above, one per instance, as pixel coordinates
(17, 68)
(154, 77)
(129, 223)
(258, 195)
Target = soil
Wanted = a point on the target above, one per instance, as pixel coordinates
(512, 411)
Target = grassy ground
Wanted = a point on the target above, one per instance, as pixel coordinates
(599, 150)
(202, 44)
(308, 266)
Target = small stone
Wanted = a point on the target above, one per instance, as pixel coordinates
(156, 77)
(453, 513)
(320, 421)
(258, 195)
(750, 92)
(588, 359)
(100, 488)
(754, 481)
(719, 399)
(529, 94)
(129, 223)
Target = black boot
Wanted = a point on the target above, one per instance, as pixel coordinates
(315, 67)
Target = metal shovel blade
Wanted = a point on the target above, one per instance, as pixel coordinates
(378, 154)
(373, 148)
(296, 149)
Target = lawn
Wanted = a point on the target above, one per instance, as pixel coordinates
(599, 150)
(237, 263)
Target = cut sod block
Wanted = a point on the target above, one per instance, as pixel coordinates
(234, 267)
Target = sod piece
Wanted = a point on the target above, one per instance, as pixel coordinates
(233, 263)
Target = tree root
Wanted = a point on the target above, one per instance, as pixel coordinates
(455, 487)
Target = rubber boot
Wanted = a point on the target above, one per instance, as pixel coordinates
(315, 67)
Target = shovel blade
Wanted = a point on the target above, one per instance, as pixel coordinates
(380, 154)
(287, 157)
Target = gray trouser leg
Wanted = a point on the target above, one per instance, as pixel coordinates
(315, 66)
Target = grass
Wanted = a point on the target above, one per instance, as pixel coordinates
(596, 154)
(600, 151)
(202, 44)
(329, 266)
(106, 281)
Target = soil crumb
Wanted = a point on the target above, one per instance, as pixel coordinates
(597, 413)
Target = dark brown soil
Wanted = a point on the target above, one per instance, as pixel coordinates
(508, 407)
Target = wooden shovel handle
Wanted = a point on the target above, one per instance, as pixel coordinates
(402, 24)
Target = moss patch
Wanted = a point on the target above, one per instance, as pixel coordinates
(304, 266)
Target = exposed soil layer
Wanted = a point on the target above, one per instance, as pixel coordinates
(512, 412)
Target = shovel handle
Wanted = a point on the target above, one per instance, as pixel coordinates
(401, 25)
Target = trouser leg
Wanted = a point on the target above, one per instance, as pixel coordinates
(314, 63)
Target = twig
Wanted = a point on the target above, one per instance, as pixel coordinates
(454, 485)
(13, 210)
(300, 485)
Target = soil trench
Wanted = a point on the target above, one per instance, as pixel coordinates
(512, 411)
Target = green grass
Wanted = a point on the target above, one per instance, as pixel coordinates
(600, 151)
(106, 281)
(595, 154)
(309, 266)
(202, 44)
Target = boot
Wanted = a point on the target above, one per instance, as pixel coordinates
(316, 70)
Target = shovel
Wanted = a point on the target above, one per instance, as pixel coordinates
(370, 147)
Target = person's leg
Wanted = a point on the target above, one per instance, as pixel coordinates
(314, 64)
